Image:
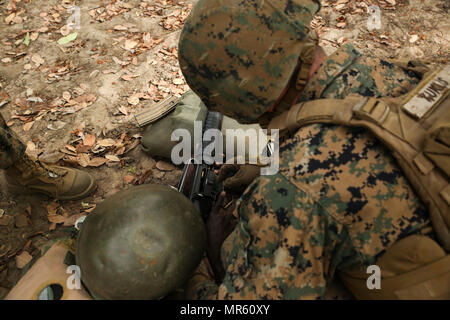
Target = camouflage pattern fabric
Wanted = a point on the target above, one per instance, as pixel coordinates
(339, 199)
(242, 53)
(347, 71)
(11, 148)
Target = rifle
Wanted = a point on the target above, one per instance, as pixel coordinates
(198, 181)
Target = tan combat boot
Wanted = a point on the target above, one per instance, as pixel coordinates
(58, 182)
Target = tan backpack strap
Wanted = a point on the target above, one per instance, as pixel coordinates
(338, 111)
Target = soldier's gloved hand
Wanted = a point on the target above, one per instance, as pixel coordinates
(237, 177)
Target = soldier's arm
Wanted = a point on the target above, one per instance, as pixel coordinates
(282, 247)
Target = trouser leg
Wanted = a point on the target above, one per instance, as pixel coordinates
(12, 150)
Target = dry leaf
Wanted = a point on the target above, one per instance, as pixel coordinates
(27, 126)
(10, 18)
(52, 208)
(124, 110)
(66, 95)
(127, 77)
(34, 36)
(37, 59)
(178, 81)
(112, 158)
(165, 166)
(118, 61)
(106, 142)
(130, 44)
(56, 218)
(17, 19)
(89, 140)
(120, 28)
(70, 221)
(83, 159)
(23, 259)
(133, 99)
(97, 162)
(129, 178)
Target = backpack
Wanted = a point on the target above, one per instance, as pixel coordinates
(416, 129)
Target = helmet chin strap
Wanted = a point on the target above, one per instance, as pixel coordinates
(307, 63)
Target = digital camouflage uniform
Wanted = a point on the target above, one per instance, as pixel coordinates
(329, 206)
(11, 148)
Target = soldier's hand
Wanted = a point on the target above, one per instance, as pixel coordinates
(237, 177)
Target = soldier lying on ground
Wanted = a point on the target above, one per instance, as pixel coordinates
(339, 200)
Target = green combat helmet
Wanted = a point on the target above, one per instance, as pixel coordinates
(239, 56)
(141, 243)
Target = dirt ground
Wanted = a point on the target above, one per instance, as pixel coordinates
(73, 103)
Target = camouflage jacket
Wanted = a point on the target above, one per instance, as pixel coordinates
(338, 200)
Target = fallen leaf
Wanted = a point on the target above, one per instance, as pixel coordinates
(37, 59)
(130, 44)
(178, 81)
(123, 110)
(97, 162)
(27, 126)
(112, 158)
(56, 125)
(17, 19)
(413, 38)
(120, 28)
(129, 178)
(52, 208)
(106, 142)
(70, 221)
(10, 18)
(34, 36)
(127, 77)
(83, 159)
(165, 166)
(65, 30)
(133, 99)
(67, 39)
(56, 218)
(118, 61)
(89, 140)
(23, 259)
(27, 40)
(66, 95)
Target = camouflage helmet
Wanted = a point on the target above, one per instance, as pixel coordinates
(141, 243)
(238, 56)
